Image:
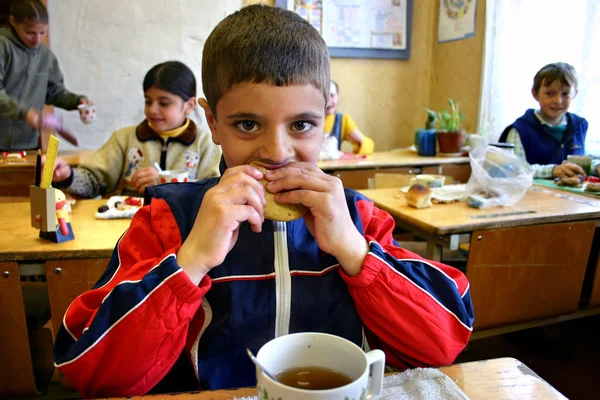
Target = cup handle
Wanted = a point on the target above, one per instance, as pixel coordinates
(376, 359)
(413, 181)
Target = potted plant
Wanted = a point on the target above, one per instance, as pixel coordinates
(449, 128)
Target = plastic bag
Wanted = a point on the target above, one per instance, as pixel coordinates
(329, 149)
(498, 178)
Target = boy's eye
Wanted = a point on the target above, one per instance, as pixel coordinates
(248, 126)
(301, 126)
(164, 104)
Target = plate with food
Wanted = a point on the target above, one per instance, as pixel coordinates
(117, 207)
(445, 194)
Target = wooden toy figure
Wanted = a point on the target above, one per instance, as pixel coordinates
(61, 230)
(48, 212)
(64, 231)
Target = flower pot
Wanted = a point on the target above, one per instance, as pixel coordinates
(450, 142)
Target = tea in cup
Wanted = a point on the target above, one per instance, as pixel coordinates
(585, 162)
(432, 181)
(173, 176)
(318, 366)
(87, 113)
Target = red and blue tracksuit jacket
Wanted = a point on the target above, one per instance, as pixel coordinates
(122, 337)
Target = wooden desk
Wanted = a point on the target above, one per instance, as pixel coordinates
(70, 269)
(16, 178)
(356, 173)
(524, 267)
(93, 238)
(498, 379)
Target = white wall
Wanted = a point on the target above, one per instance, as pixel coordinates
(105, 47)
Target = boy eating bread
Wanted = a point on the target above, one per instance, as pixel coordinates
(202, 274)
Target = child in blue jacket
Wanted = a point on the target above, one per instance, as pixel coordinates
(545, 137)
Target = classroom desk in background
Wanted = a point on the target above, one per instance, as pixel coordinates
(525, 263)
(15, 178)
(355, 173)
(70, 268)
(498, 379)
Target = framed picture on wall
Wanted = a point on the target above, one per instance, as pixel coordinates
(359, 28)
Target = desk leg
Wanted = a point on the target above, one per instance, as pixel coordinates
(433, 251)
(595, 297)
(16, 367)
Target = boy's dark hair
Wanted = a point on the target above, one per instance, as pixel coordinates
(29, 10)
(551, 72)
(263, 44)
(173, 77)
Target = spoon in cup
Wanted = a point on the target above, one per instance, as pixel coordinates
(259, 365)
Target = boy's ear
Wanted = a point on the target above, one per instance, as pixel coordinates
(534, 94)
(13, 21)
(210, 119)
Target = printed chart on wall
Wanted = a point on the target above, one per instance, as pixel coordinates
(357, 24)
(456, 19)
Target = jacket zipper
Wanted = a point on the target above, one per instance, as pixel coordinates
(163, 154)
(283, 281)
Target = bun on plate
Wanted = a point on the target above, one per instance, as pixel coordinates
(276, 211)
(419, 196)
(592, 187)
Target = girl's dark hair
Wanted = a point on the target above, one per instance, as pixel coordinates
(29, 10)
(173, 77)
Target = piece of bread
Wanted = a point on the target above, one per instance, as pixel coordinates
(418, 196)
(572, 181)
(276, 211)
(592, 187)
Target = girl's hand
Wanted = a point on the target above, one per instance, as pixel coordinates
(32, 118)
(85, 100)
(237, 198)
(329, 219)
(62, 170)
(143, 178)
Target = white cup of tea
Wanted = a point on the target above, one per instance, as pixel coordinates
(318, 366)
(173, 176)
(87, 113)
(429, 180)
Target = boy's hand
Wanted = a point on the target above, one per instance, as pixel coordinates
(143, 178)
(566, 170)
(328, 219)
(238, 197)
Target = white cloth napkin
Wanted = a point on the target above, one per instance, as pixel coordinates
(421, 384)
(416, 384)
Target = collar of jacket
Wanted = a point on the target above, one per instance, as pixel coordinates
(145, 133)
(10, 33)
